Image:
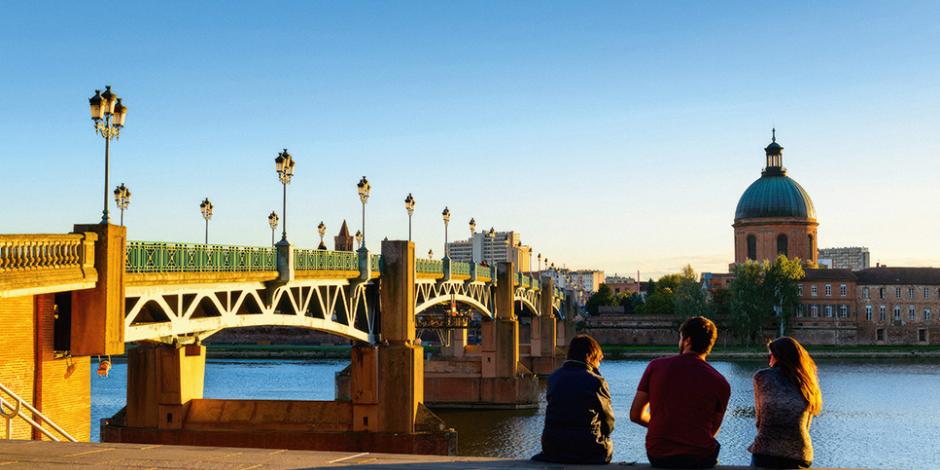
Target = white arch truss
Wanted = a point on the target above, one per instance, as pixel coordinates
(193, 312)
(477, 295)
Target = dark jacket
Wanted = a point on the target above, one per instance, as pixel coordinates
(578, 419)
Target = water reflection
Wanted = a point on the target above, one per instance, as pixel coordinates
(875, 415)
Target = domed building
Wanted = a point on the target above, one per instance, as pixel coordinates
(775, 215)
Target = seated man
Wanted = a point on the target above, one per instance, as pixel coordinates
(681, 400)
(578, 419)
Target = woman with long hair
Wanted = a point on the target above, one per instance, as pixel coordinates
(786, 398)
(578, 418)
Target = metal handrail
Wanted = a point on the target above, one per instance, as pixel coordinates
(15, 411)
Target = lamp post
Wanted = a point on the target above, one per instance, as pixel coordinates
(410, 207)
(272, 221)
(108, 113)
(446, 216)
(321, 229)
(492, 236)
(473, 231)
(206, 208)
(430, 254)
(364, 189)
(359, 237)
(122, 197)
(284, 165)
(540, 265)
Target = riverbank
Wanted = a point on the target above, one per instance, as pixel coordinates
(611, 351)
(67, 455)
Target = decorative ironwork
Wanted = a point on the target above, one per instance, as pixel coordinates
(459, 268)
(325, 260)
(484, 271)
(442, 321)
(148, 257)
(429, 266)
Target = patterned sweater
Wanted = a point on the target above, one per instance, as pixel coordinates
(783, 418)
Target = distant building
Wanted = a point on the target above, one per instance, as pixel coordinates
(624, 285)
(506, 246)
(855, 258)
(343, 241)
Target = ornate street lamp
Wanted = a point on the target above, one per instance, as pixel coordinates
(359, 237)
(410, 207)
(122, 197)
(284, 165)
(492, 236)
(540, 265)
(446, 216)
(108, 113)
(364, 189)
(321, 229)
(206, 209)
(272, 221)
(430, 254)
(473, 227)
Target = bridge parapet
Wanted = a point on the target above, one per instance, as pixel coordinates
(155, 257)
(42, 263)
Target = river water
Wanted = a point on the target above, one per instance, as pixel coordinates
(875, 414)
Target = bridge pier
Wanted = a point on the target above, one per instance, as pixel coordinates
(381, 411)
(494, 379)
(543, 333)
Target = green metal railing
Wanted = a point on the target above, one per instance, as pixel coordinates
(325, 260)
(376, 263)
(161, 257)
(429, 266)
(484, 271)
(459, 268)
(535, 283)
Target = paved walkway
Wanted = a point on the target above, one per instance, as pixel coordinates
(54, 455)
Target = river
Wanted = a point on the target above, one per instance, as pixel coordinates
(875, 414)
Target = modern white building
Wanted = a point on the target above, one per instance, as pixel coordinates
(506, 246)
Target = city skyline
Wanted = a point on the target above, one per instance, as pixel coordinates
(623, 147)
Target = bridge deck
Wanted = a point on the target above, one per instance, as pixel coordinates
(54, 455)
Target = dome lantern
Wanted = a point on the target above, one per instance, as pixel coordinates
(774, 153)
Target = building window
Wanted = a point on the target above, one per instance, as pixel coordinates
(897, 313)
(910, 292)
(843, 311)
(926, 293)
(814, 310)
(897, 292)
(881, 292)
(828, 290)
(828, 311)
(865, 293)
(911, 313)
(882, 313)
(813, 290)
(751, 247)
(799, 290)
(782, 245)
(811, 248)
(868, 315)
(926, 314)
(843, 290)
(800, 310)
(880, 334)
(922, 335)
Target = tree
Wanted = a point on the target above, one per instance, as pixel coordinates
(631, 303)
(604, 297)
(757, 288)
(689, 298)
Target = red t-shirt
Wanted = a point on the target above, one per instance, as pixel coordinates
(687, 403)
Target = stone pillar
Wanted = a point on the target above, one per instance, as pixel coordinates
(548, 335)
(98, 314)
(285, 261)
(458, 342)
(506, 326)
(400, 363)
(161, 381)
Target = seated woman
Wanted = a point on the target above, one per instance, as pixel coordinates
(786, 398)
(578, 419)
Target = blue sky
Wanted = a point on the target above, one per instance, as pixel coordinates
(615, 135)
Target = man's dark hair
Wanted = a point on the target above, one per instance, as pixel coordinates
(702, 332)
(585, 349)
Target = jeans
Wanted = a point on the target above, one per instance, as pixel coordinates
(685, 461)
(772, 461)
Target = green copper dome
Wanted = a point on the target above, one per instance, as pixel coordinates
(775, 195)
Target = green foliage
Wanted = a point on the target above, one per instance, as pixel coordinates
(757, 288)
(631, 303)
(604, 297)
(690, 298)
